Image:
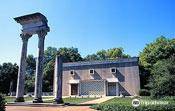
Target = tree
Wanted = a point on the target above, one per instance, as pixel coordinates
(8, 77)
(162, 48)
(102, 54)
(113, 53)
(162, 78)
(91, 57)
(70, 54)
(49, 54)
(48, 76)
(29, 83)
(31, 65)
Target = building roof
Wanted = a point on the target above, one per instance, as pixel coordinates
(121, 60)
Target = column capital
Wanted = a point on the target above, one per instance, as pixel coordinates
(42, 33)
(25, 37)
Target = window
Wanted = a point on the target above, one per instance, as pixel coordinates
(91, 71)
(72, 72)
(113, 70)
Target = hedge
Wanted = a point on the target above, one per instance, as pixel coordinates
(144, 92)
(116, 107)
(2, 103)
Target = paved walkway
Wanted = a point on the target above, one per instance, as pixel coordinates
(97, 101)
(57, 108)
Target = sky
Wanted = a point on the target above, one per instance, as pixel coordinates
(89, 25)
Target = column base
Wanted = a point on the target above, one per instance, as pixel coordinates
(58, 101)
(38, 100)
(19, 99)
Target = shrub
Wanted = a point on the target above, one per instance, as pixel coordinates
(144, 92)
(2, 103)
(117, 107)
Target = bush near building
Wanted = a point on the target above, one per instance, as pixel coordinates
(144, 92)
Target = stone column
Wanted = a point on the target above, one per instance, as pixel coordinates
(39, 68)
(58, 80)
(22, 69)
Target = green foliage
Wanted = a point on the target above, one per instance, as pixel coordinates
(49, 54)
(163, 78)
(2, 103)
(144, 92)
(162, 48)
(113, 53)
(124, 104)
(91, 57)
(31, 64)
(48, 76)
(69, 54)
(8, 77)
(29, 83)
(118, 107)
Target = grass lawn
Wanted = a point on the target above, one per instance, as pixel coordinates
(146, 104)
(73, 100)
(12, 99)
(128, 100)
(122, 101)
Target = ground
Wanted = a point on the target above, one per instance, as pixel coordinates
(59, 108)
(80, 104)
(48, 100)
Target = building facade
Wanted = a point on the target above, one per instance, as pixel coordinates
(101, 78)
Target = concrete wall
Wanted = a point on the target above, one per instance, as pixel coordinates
(127, 74)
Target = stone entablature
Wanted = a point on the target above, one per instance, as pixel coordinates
(33, 23)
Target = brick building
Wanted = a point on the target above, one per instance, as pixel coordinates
(101, 78)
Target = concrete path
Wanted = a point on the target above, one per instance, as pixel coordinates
(57, 108)
(97, 101)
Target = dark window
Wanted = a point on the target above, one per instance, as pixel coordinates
(113, 70)
(91, 71)
(72, 72)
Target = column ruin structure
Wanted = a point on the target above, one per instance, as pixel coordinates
(35, 23)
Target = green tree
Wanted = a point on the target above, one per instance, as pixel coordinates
(49, 54)
(70, 54)
(48, 76)
(112, 53)
(102, 54)
(162, 80)
(8, 77)
(29, 83)
(162, 48)
(31, 65)
(91, 57)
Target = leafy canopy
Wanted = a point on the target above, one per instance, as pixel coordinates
(112, 53)
(162, 48)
